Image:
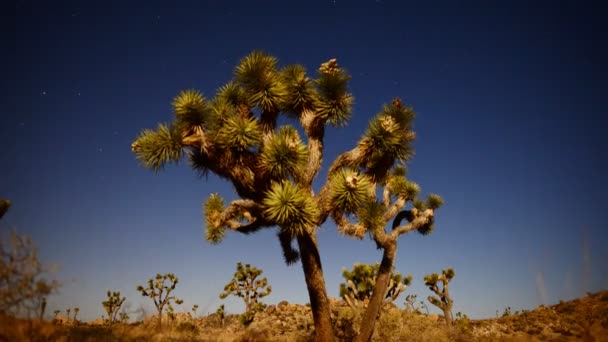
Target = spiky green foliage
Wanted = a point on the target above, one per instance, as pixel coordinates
(290, 206)
(349, 191)
(259, 77)
(112, 305)
(214, 232)
(301, 93)
(246, 285)
(285, 155)
(335, 103)
(434, 201)
(443, 300)
(191, 108)
(403, 188)
(360, 282)
(239, 133)
(371, 216)
(160, 293)
(155, 148)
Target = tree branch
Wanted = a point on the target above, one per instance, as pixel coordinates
(419, 219)
(348, 228)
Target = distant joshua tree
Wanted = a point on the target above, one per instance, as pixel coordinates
(245, 284)
(221, 313)
(76, 310)
(160, 292)
(443, 301)
(237, 136)
(23, 286)
(194, 309)
(112, 305)
(360, 284)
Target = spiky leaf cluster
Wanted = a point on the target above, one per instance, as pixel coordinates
(371, 216)
(239, 133)
(402, 188)
(155, 148)
(335, 103)
(290, 206)
(214, 231)
(190, 108)
(360, 282)
(387, 139)
(285, 155)
(112, 305)
(301, 93)
(261, 81)
(349, 190)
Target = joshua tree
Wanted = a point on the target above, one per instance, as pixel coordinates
(160, 292)
(194, 308)
(245, 284)
(235, 136)
(410, 300)
(76, 313)
(220, 312)
(68, 310)
(124, 317)
(112, 305)
(444, 302)
(361, 280)
(56, 312)
(23, 286)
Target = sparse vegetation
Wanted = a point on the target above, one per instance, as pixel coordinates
(245, 284)
(443, 301)
(23, 283)
(160, 293)
(360, 282)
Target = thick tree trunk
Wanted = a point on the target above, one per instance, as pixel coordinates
(319, 303)
(375, 303)
(447, 314)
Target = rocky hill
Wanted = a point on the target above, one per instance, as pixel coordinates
(583, 319)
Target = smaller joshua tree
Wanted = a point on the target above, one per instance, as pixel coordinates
(56, 312)
(444, 302)
(222, 315)
(245, 284)
(410, 300)
(360, 284)
(68, 310)
(160, 292)
(112, 305)
(124, 317)
(76, 310)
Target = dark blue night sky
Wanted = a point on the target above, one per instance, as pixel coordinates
(511, 121)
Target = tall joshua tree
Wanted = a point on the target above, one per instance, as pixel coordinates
(160, 292)
(360, 283)
(443, 299)
(272, 169)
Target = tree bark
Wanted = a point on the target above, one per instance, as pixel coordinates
(319, 303)
(377, 300)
